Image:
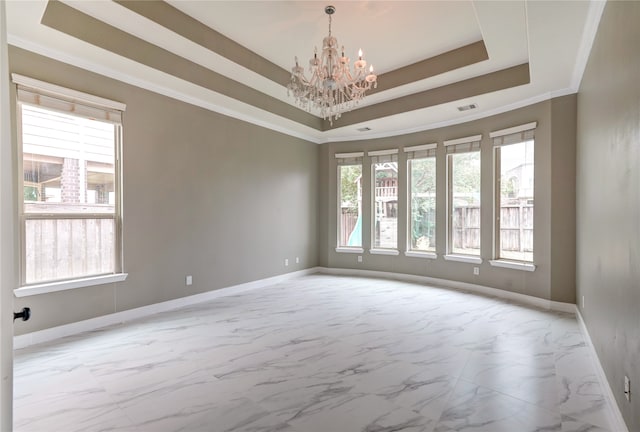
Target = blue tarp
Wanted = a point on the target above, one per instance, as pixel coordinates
(355, 238)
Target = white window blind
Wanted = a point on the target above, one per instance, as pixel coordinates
(421, 151)
(349, 158)
(514, 138)
(53, 97)
(382, 156)
(513, 130)
(463, 145)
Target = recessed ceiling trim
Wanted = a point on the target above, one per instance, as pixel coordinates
(452, 122)
(184, 25)
(430, 67)
(491, 82)
(77, 24)
(74, 23)
(224, 108)
(164, 14)
(553, 36)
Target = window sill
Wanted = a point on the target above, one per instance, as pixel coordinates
(384, 252)
(349, 250)
(464, 258)
(68, 284)
(416, 254)
(515, 265)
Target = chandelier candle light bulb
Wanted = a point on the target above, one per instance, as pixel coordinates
(331, 88)
(371, 78)
(360, 64)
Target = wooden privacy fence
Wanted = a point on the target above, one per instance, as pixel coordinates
(516, 232)
(516, 228)
(67, 248)
(348, 219)
(466, 227)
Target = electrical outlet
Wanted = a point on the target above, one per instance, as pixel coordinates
(286, 262)
(297, 260)
(476, 271)
(359, 258)
(188, 280)
(627, 388)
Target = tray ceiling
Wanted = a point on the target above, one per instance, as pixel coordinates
(234, 57)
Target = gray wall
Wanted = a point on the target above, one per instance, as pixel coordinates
(204, 195)
(554, 250)
(563, 199)
(226, 202)
(608, 200)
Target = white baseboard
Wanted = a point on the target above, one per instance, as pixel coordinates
(615, 416)
(53, 333)
(463, 286)
(49, 334)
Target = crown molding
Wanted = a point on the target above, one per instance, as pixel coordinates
(596, 8)
(156, 88)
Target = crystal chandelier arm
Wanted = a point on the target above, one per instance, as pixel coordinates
(333, 88)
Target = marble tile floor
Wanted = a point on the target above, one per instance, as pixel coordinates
(320, 354)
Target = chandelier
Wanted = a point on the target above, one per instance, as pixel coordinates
(331, 88)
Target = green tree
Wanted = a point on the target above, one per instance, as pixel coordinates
(349, 177)
(30, 193)
(423, 190)
(466, 176)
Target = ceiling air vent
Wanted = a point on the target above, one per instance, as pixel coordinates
(467, 107)
(364, 129)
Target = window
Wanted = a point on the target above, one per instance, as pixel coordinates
(384, 171)
(349, 201)
(463, 198)
(421, 164)
(514, 193)
(70, 211)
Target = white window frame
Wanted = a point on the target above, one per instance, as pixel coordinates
(455, 146)
(500, 138)
(53, 97)
(418, 152)
(376, 157)
(342, 159)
